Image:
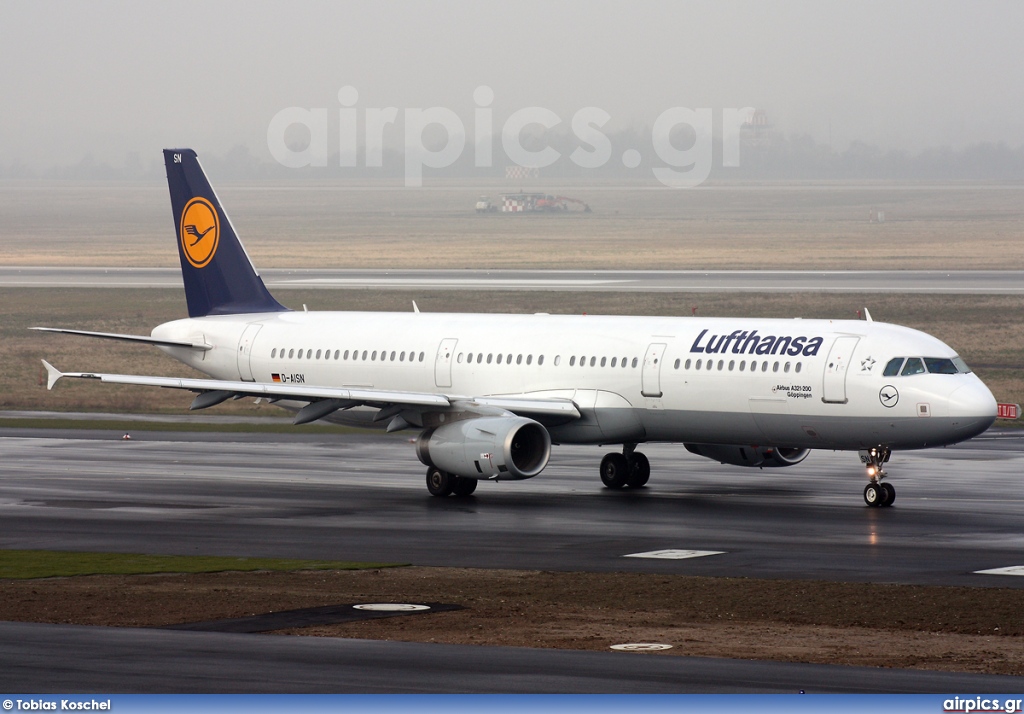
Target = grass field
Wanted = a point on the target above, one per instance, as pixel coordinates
(776, 226)
(30, 564)
(988, 331)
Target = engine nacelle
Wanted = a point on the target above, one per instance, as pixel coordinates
(762, 456)
(511, 448)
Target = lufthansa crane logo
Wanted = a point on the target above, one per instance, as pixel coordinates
(199, 231)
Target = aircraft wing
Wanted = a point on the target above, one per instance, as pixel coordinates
(140, 339)
(325, 400)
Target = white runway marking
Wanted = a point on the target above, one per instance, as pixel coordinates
(672, 554)
(1012, 570)
(391, 607)
(641, 647)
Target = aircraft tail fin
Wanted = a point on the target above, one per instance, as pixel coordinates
(219, 277)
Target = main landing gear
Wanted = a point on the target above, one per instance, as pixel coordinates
(630, 468)
(877, 494)
(442, 483)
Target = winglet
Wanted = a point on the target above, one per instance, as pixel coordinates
(867, 315)
(52, 375)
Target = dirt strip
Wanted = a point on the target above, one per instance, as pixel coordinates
(940, 628)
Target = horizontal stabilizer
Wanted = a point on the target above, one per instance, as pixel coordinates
(141, 339)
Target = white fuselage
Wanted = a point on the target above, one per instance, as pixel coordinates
(794, 383)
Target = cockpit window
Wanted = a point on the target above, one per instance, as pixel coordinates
(920, 365)
(914, 365)
(961, 366)
(893, 368)
(939, 365)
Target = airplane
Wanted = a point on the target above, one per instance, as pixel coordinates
(490, 394)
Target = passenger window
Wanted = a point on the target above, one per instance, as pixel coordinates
(799, 365)
(540, 360)
(687, 365)
(345, 356)
(558, 359)
(753, 365)
(624, 360)
(318, 354)
(711, 364)
(677, 364)
(529, 359)
(572, 361)
(583, 361)
(401, 357)
(469, 358)
(364, 355)
(699, 362)
(336, 353)
(893, 367)
(764, 366)
(604, 361)
(499, 357)
(457, 359)
(291, 353)
(373, 357)
(775, 367)
(786, 368)
(732, 363)
(273, 353)
(421, 356)
(508, 360)
(489, 356)
(634, 362)
(937, 365)
(593, 361)
(743, 365)
(914, 365)
(300, 354)
(392, 356)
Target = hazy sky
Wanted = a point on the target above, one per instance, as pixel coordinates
(111, 77)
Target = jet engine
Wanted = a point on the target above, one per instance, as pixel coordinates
(500, 447)
(761, 456)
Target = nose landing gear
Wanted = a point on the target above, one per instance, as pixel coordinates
(877, 494)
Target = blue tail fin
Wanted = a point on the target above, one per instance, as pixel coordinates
(220, 279)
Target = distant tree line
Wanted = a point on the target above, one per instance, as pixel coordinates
(771, 157)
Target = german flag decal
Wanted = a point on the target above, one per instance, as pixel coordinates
(276, 377)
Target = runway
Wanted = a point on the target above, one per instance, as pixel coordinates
(967, 282)
(355, 497)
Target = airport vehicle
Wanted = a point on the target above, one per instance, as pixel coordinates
(490, 394)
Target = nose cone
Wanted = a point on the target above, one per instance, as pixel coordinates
(972, 409)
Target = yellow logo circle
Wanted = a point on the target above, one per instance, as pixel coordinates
(199, 231)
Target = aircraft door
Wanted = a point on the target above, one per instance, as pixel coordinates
(245, 344)
(836, 367)
(651, 377)
(443, 364)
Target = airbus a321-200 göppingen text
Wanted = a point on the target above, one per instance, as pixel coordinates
(489, 394)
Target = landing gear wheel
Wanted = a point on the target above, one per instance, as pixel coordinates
(464, 486)
(890, 493)
(614, 470)
(639, 470)
(874, 494)
(440, 483)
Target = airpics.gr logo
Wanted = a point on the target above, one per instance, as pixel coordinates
(199, 231)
